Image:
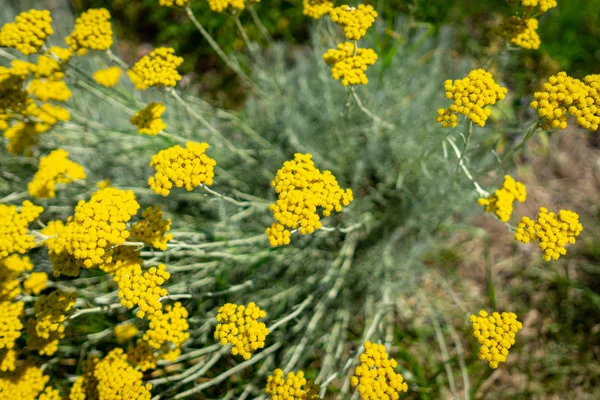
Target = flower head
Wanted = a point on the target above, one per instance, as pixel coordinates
(291, 386)
(25, 383)
(119, 380)
(316, 8)
(148, 120)
(158, 69)
(36, 282)
(55, 168)
(152, 229)
(98, 224)
(14, 237)
(496, 334)
(375, 377)
(551, 231)
(239, 326)
(303, 191)
(168, 329)
(172, 3)
(354, 20)
(348, 65)
(11, 268)
(92, 31)
(29, 31)
(189, 167)
(544, 5)
(108, 77)
(562, 95)
(124, 332)
(143, 290)
(501, 202)
(234, 6)
(471, 97)
(10, 323)
(521, 32)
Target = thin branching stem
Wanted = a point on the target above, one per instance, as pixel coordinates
(366, 111)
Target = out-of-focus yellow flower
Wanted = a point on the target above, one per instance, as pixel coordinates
(235, 6)
(54, 169)
(316, 8)
(239, 326)
(522, 33)
(301, 188)
(92, 31)
(544, 5)
(45, 90)
(50, 394)
(25, 383)
(471, 96)
(159, 68)
(142, 356)
(354, 20)
(10, 323)
(11, 268)
(350, 65)
(8, 360)
(36, 282)
(496, 333)
(14, 236)
(189, 167)
(29, 31)
(148, 120)
(551, 231)
(375, 377)
(172, 3)
(125, 332)
(108, 77)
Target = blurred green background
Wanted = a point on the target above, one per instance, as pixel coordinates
(570, 33)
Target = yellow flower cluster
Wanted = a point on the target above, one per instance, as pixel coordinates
(142, 356)
(496, 334)
(317, 8)
(119, 258)
(522, 33)
(14, 237)
(143, 290)
(86, 386)
(21, 136)
(563, 95)
(348, 64)
(108, 77)
(55, 168)
(50, 394)
(354, 20)
(97, 224)
(301, 188)
(92, 31)
(234, 5)
(375, 377)
(501, 202)
(552, 233)
(119, 380)
(291, 386)
(152, 229)
(11, 268)
(189, 167)
(29, 31)
(26, 383)
(544, 5)
(125, 332)
(239, 326)
(8, 360)
(50, 312)
(148, 120)
(36, 282)
(471, 95)
(10, 323)
(46, 90)
(168, 328)
(48, 115)
(171, 3)
(157, 69)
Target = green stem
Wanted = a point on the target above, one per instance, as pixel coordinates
(465, 147)
(521, 145)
